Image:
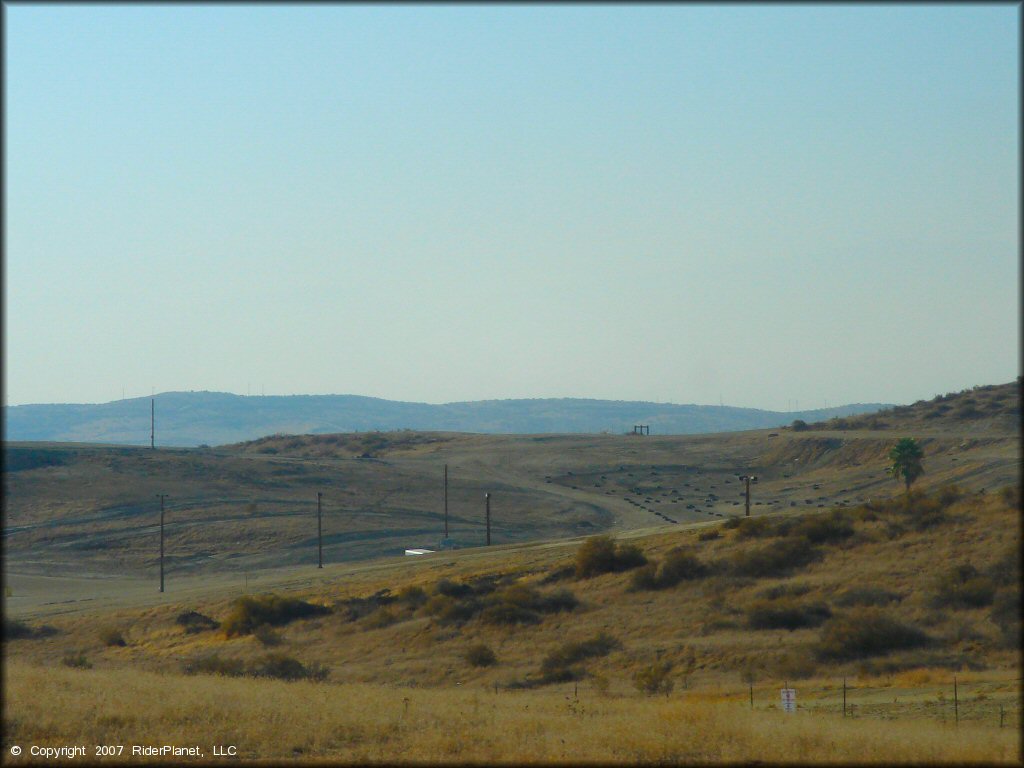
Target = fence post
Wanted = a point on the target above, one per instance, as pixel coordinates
(956, 704)
(844, 697)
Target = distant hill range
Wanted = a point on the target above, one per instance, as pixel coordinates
(215, 418)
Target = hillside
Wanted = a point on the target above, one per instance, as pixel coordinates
(995, 407)
(538, 652)
(210, 418)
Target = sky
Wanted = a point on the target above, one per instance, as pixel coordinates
(769, 206)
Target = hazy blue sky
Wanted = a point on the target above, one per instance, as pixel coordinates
(681, 203)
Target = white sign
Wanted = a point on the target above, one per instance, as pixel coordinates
(789, 699)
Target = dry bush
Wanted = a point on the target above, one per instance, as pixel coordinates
(866, 595)
(866, 632)
(786, 613)
(599, 554)
(266, 636)
(19, 630)
(709, 534)
(356, 608)
(962, 586)
(508, 605)
(193, 622)
(112, 637)
(563, 664)
(654, 678)
(412, 596)
(250, 612)
(450, 588)
(448, 610)
(775, 559)
(784, 590)
(282, 667)
(754, 527)
(384, 617)
(1006, 570)
(796, 665)
(274, 665)
(1011, 496)
(480, 655)
(833, 526)
(677, 566)
(1006, 615)
(214, 664)
(76, 660)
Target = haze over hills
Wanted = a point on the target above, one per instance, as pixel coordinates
(212, 418)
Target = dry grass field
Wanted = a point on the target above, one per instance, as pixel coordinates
(666, 642)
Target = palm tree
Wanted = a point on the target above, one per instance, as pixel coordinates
(906, 458)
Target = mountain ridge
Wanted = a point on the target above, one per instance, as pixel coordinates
(202, 417)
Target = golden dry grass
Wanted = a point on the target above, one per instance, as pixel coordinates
(360, 723)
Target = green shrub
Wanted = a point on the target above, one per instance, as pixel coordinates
(786, 614)
(654, 679)
(866, 632)
(962, 586)
(76, 661)
(250, 612)
(112, 636)
(480, 655)
(194, 622)
(599, 554)
(562, 664)
(799, 425)
(775, 559)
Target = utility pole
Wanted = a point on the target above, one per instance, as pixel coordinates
(319, 532)
(152, 425)
(446, 501)
(747, 479)
(487, 501)
(162, 496)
